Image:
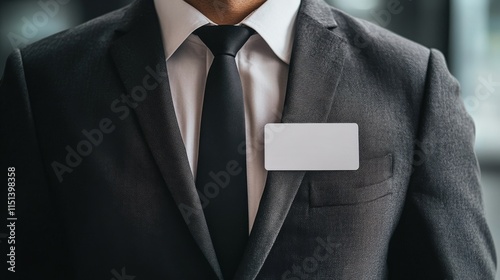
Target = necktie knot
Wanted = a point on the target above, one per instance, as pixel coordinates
(224, 39)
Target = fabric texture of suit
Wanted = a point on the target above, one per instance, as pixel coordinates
(412, 211)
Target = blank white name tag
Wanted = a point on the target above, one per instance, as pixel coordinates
(311, 146)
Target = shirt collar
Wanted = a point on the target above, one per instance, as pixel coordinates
(273, 21)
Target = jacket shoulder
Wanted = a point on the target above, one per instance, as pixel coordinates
(372, 42)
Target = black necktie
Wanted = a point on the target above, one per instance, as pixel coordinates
(221, 177)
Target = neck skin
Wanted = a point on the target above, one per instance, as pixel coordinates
(226, 12)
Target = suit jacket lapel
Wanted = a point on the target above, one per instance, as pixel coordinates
(315, 70)
(138, 53)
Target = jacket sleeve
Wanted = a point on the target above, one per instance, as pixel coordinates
(34, 240)
(442, 233)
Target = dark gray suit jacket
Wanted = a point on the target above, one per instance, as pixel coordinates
(104, 188)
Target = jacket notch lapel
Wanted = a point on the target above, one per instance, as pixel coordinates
(315, 70)
(140, 60)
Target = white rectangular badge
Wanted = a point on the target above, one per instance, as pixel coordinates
(311, 146)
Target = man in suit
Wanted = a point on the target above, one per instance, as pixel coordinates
(108, 127)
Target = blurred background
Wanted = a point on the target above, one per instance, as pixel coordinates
(466, 31)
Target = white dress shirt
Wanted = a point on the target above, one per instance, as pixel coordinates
(263, 65)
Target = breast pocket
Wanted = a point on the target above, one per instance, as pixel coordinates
(368, 183)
